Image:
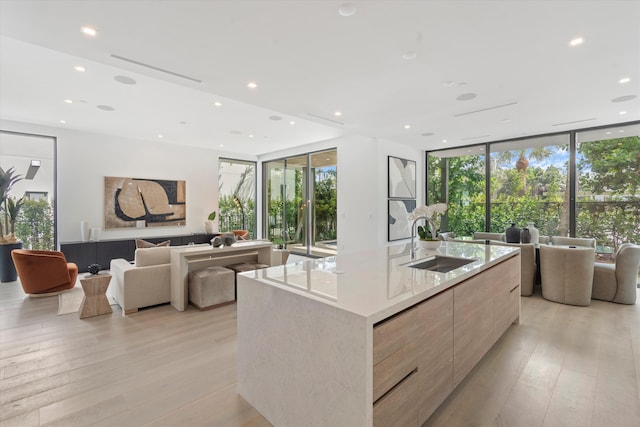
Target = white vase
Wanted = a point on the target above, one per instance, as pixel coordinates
(534, 232)
(429, 244)
(95, 234)
(210, 227)
(84, 231)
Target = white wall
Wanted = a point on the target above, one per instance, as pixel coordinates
(84, 159)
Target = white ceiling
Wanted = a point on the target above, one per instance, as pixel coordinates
(310, 61)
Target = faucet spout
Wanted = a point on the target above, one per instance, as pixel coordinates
(412, 253)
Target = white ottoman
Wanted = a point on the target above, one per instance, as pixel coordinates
(211, 287)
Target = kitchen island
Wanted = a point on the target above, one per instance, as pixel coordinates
(366, 339)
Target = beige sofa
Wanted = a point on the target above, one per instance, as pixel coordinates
(144, 283)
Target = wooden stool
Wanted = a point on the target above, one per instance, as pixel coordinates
(95, 302)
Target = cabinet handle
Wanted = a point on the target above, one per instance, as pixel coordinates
(397, 385)
(514, 288)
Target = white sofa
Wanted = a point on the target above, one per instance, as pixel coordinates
(144, 283)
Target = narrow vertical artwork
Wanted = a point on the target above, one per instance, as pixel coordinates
(402, 178)
(399, 225)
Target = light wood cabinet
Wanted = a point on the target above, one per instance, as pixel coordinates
(421, 342)
(472, 323)
(423, 353)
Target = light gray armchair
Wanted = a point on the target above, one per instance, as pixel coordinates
(617, 282)
(567, 274)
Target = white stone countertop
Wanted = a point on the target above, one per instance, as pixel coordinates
(378, 283)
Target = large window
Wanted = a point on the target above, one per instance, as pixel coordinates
(457, 177)
(237, 196)
(530, 183)
(582, 183)
(32, 159)
(301, 202)
(608, 195)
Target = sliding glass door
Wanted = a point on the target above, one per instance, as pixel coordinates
(300, 202)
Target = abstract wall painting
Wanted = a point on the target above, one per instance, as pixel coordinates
(141, 202)
(402, 178)
(399, 225)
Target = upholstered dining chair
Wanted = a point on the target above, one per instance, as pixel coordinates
(44, 272)
(447, 235)
(573, 241)
(567, 274)
(618, 282)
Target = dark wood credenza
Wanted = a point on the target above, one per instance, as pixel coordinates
(103, 251)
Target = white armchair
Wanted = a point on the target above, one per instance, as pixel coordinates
(618, 282)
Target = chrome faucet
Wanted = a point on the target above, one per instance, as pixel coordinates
(412, 254)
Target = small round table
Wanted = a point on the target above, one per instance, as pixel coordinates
(95, 302)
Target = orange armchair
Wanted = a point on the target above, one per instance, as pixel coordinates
(241, 234)
(42, 272)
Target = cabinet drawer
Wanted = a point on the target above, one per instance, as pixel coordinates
(390, 371)
(394, 334)
(398, 408)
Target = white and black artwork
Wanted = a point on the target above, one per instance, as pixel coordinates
(399, 225)
(402, 178)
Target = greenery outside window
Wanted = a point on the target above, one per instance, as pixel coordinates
(237, 196)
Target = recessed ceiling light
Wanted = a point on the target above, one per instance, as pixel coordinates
(347, 9)
(623, 98)
(79, 68)
(221, 145)
(252, 85)
(337, 114)
(624, 80)
(250, 135)
(621, 131)
(68, 101)
(409, 55)
(576, 42)
(125, 80)
(63, 121)
(426, 134)
(505, 120)
(407, 126)
(292, 123)
(217, 104)
(105, 107)
(449, 83)
(466, 96)
(160, 136)
(444, 140)
(89, 31)
(622, 113)
(608, 133)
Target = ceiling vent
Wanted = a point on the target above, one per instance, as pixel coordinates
(325, 118)
(162, 70)
(486, 109)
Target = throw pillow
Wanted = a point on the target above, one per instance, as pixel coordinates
(141, 244)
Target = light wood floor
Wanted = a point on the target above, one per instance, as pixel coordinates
(562, 366)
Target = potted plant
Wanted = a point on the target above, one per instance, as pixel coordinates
(428, 235)
(209, 224)
(11, 208)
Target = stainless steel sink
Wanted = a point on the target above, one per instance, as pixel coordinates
(441, 264)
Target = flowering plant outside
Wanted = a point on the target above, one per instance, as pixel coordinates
(432, 214)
